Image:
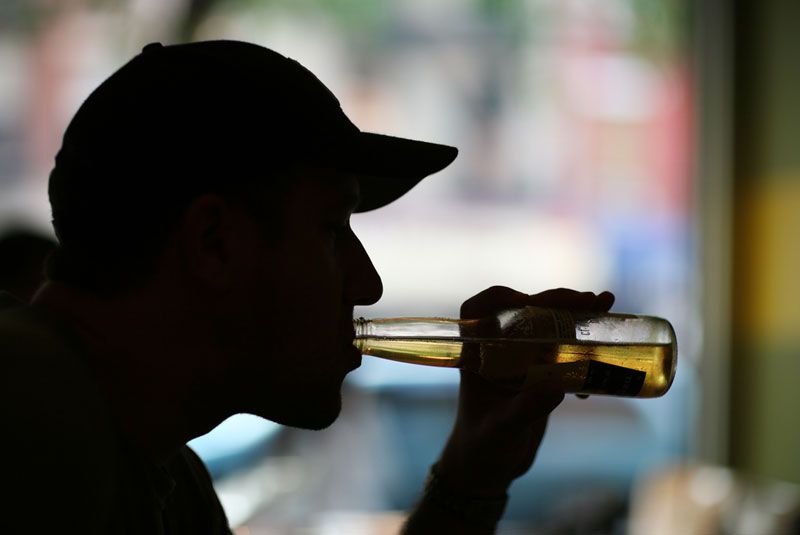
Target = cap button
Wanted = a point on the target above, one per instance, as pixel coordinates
(152, 47)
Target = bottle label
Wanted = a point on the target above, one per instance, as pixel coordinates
(604, 378)
(562, 344)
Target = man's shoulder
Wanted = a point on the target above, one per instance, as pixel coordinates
(57, 445)
(26, 331)
(40, 359)
(45, 381)
(194, 504)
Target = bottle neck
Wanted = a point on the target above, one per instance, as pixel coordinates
(410, 327)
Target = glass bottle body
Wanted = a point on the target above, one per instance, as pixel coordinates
(591, 353)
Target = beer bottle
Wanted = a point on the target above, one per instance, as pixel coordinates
(591, 353)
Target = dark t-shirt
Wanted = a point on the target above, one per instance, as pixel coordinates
(66, 468)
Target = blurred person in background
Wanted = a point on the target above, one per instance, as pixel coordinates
(22, 256)
(206, 267)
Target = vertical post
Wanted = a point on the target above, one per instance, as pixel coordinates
(713, 45)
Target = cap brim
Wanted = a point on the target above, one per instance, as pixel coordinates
(387, 166)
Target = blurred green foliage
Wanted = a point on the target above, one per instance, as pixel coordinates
(18, 15)
(659, 28)
(360, 16)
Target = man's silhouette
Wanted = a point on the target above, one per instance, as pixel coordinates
(206, 267)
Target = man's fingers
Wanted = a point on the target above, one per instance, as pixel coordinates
(492, 300)
(497, 298)
(604, 302)
(541, 393)
(572, 299)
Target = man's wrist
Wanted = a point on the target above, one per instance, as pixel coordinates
(470, 475)
(471, 507)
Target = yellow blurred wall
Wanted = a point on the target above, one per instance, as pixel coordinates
(765, 388)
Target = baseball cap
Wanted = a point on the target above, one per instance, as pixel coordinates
(189, 117)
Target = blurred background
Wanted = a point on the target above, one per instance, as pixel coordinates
(647, 147)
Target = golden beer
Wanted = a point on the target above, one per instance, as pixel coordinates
(609, 354)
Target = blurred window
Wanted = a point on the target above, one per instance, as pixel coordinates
(574, 122)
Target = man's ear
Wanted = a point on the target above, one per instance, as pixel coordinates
(207, 235)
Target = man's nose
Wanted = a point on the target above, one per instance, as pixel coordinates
(363, 283)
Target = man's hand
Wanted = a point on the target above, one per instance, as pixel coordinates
(497, 431)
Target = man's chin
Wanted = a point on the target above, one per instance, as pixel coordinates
(313, 417)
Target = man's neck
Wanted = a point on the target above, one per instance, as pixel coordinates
(149, 363)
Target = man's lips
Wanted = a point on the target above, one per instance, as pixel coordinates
(350, 349)
(355, 354)
(349, 337)
(348, 330)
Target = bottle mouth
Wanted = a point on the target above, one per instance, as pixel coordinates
(361, 327)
